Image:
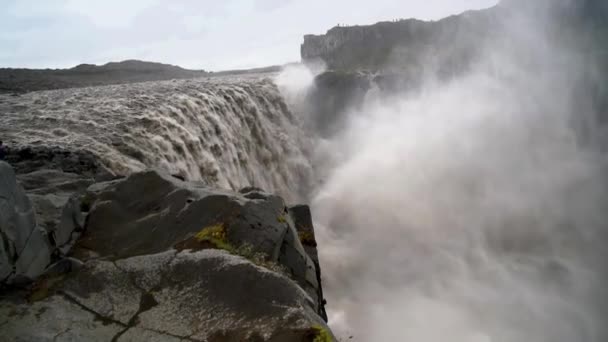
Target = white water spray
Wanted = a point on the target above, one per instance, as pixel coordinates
(470, 212)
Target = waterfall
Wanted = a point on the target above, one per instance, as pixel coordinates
(227, 132)
(471, 209)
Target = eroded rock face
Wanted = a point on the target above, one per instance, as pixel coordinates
(55, 197)
(40, 219)
(161, 259)
(24, 248)
(403, 45)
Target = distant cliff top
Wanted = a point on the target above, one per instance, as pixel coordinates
(13, 80)
(377, 46)
(85, 75)
(132, 65)
(447, 45)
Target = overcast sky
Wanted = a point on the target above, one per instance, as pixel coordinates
(201, 34)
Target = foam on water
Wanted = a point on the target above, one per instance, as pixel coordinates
(230, 132)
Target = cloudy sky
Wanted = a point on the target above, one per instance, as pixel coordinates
(201, 34)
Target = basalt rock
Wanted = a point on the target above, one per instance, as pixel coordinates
(55, 196)
(25, 250)
(408, 46)
(160, 259)
(334, 94)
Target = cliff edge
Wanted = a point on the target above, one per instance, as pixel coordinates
(402, 45)
(153, 258)
(449, 45)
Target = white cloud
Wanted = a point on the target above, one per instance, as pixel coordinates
(109, 14)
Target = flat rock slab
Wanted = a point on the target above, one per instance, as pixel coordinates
(208, 295)
(54, 319)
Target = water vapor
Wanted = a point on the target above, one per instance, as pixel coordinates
(472, 211)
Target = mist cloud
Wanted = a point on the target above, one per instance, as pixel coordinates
(470, 211)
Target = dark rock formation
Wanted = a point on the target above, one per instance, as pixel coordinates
(398, 57)
(37, 228)
(403, 46)
(333, 94)
(55, 198)
(414, 48)
(158, 259)
(336, 93)
(24, 247)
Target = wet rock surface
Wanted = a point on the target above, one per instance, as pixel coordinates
(159, 259)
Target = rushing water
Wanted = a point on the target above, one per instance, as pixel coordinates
(229, 132)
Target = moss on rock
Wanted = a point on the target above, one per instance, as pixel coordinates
(216, 235)
(321, 334)
(307, 238)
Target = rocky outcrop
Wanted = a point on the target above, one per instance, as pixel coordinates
(24, 247)
(403, 46)
(414, 49)
(336, 94)
(55, 197)
(333, 95)
(38, 224)
(163, 259)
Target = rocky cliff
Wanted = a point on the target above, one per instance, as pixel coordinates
(399, 57)
(153, 258)
(403, 45)
(444, 47)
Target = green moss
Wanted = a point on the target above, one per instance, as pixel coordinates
(307, 238)
(321, 334)
(216, 235)
(248, 252)
(282, 219)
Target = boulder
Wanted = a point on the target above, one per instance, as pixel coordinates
(25, 250)
(175, 214)
(55, 195)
